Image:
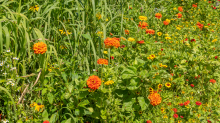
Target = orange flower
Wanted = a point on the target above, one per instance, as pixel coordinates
(102, 61)
(143, 25)
(212, 81)
(158, 15)
(179, 15)
(150, 31)
(140, 42)
(166, 22)
(180, 9)
(194, 5)
(155, 99)
(186, 103)
(199, 25)
(94, 82)
(126, 31)
(112, 42)
(40, 48)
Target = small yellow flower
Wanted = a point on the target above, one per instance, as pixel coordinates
(33, 8)
(110, 82)
(167, 20)
(168, 85)
(174, 8)
(165, 116)
(105, 52)
(98, 16)
(178, 28)
(37, 106)
(106, 19)
(167, 37)
(159, 33)
(143, 18)
(214, 40)
(131, 39)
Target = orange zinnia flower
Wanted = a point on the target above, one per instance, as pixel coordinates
(158, 15)
(199, 25)
(180, 9)
(150, 31)
(40, 48)
(186, 103)
(212, 81)
(126, 32)
(194, 5)
(102, 61)
(179, 15)
(166, 22)
(140, 42)
(143, 25)
(155, 99)
(112, 42)
(94, 82)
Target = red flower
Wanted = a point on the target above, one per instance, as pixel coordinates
(46, 121)
(171, 74)
(166, 22)
(181, 104)
(192, 85)
(186, 39)
(181, 116)
(175, 115)
(122, 46)
(111, 33)
(186, 103)
(193, 40)
(187, 80)
(175, 110)
(112, 57)
(140, 42)
(212, 81)
(209, 121)
(148, 121)
(208, 24)
(161, 49)
(210, 1)
(198, 103)
(214, 7)
(216, 57)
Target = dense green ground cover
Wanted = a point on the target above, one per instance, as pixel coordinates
(66, 61)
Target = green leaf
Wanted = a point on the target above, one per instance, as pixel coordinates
(68, 121)
(83, 103)
(142, 103)
(127, 76)
(77, 112)
(50, 98)
(45, 114)
(44, 91)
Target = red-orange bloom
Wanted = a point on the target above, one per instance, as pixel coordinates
(150, 31)
(143, 25)
(140, 42)
(40, 48)
(179, 15)
(212, 81)
(155, 99)
(126, 32)
(186, 103)
(166, 22)
(158, 15)
(199, 25)
(194, 5)
(94, 82)
(112, 42)
(102, 61)
(180, 9)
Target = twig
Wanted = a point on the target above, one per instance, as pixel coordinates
(25, 90)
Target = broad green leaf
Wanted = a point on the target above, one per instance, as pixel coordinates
(142, 103)
(83, 103)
